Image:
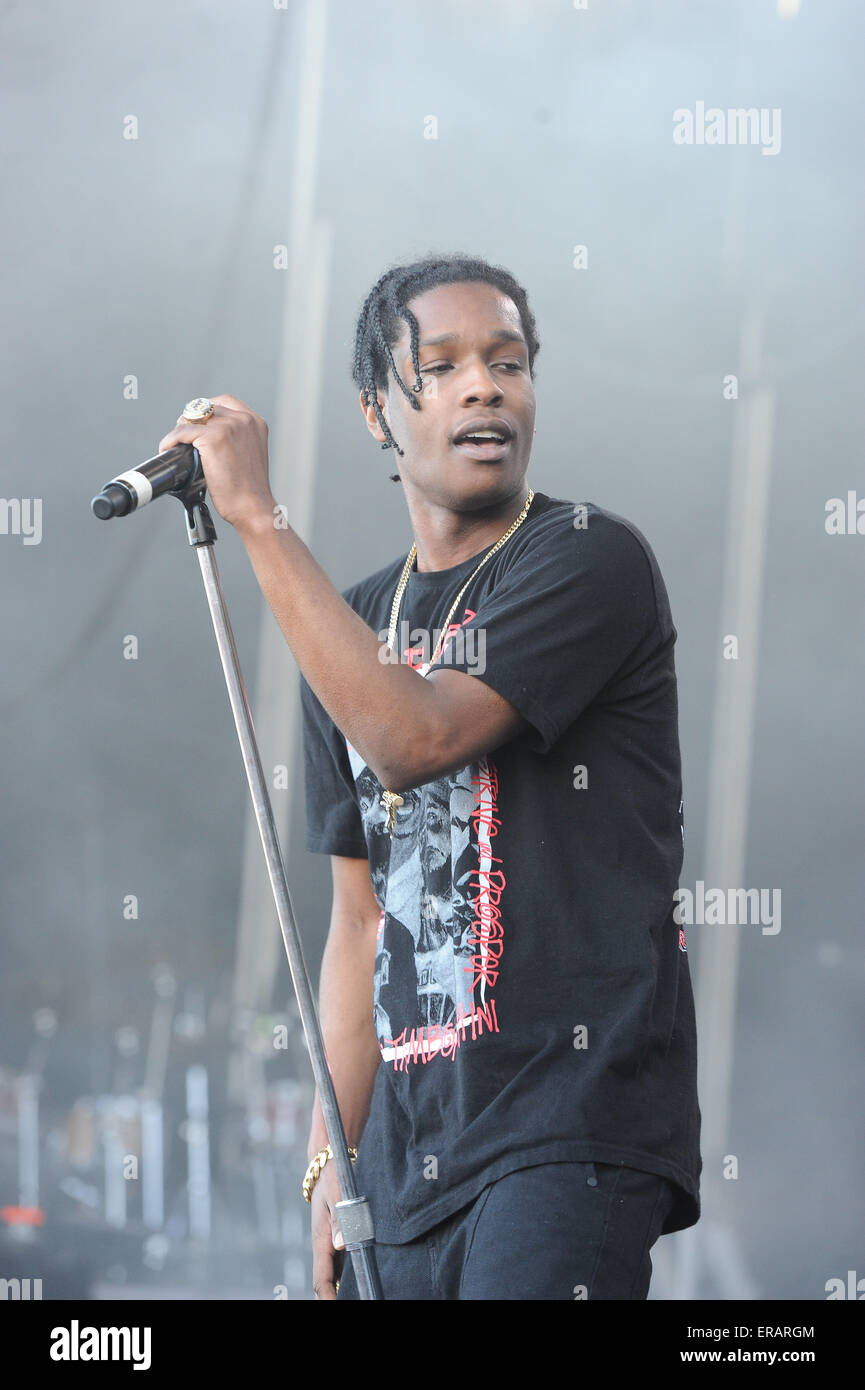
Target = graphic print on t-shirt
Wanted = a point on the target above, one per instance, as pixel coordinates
(439, 885)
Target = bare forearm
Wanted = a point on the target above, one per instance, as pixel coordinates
(387, 714)
(346, 1013)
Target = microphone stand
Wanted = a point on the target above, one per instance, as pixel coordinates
(355, 1218)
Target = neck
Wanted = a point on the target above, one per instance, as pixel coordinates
(445, 538)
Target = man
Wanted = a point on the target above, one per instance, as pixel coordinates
(492, 763)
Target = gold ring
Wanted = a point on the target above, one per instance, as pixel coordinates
(199, 409)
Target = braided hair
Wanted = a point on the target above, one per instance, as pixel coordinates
(384, 311)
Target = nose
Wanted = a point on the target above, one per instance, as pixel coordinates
(481, 385)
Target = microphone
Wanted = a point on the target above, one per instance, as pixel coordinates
(168, 472)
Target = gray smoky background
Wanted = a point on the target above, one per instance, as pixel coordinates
(198, 197)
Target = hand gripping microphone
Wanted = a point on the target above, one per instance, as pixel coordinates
(169, 472)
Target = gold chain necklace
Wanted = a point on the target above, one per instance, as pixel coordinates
(390, 800)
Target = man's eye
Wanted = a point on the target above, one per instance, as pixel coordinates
(448, 366)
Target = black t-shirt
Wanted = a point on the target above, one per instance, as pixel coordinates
(533, 1000)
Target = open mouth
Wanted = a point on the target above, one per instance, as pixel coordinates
(485, 444)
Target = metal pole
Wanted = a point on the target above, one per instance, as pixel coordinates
(198, 1152)
(152, 1165)
(27, 1095)
(355, 1217)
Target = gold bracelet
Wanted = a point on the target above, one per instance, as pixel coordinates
(313, 1172)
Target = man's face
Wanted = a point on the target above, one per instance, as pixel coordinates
(478, 370)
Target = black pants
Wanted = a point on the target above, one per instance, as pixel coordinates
(553, 1231)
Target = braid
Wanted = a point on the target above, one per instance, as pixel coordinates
(384, 311)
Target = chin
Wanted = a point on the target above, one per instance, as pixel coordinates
(487, 482)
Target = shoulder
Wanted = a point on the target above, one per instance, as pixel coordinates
(366, 595)
(588, 555)
(595, 537)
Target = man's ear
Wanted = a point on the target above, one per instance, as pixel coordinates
(372, 420)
